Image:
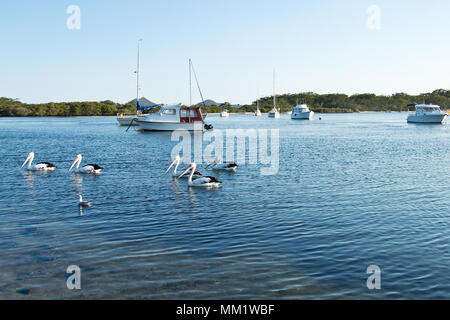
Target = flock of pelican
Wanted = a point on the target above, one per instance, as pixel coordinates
(195, 178)
(48, 167)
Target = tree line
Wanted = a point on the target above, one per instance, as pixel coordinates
(320, 103)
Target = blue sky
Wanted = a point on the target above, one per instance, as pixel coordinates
(322, 46)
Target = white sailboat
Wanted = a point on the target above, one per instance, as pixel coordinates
(257, 111)
(131, 119)
(274, 112)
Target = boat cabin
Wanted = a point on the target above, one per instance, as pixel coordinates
(301, 108)
(427, 108)
(178, 113)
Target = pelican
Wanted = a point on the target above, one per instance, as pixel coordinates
(89, 168)
(176, 162)
(217, 164)
(205, 181)
(84, 203)
(41, 166)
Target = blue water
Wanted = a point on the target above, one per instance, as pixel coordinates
(352, 190)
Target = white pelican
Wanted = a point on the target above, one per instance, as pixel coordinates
(176, 162)
(205, 181)
(84, 203)
(217, 164)
(41, 166)
(89, 168)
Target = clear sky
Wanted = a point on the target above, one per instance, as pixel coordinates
(322, 46)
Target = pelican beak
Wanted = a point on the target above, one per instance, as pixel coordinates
(185, 171)
(73, 163)
(173, 162)
(26, 160)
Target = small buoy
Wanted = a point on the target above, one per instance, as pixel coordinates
(320, 118)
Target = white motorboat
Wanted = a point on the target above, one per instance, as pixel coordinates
(176, 117)
(302, 112)
(274, 113)
(224, 114)
(173, 117)
(427, 113)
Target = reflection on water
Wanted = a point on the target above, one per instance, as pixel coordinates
(352, 190)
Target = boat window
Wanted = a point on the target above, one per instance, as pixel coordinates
(193, 113)
(183, 113)
(170, 111)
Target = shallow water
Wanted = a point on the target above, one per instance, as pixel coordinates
(352, 190)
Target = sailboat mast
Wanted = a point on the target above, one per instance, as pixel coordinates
(137, 71)
(274, 97)
(190, 84)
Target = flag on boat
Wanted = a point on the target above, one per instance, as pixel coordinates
(139, 107)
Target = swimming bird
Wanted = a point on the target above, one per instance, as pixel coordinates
(89, 168)
(217, 164)
(41, 166)
(84, 203)
(205, 181)
(176, 162)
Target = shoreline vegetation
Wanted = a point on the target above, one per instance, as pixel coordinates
(319, 103)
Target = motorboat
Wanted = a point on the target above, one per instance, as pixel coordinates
(302, 112)
(427, 113)
(224, 114)
(177, 116)
(173, 117)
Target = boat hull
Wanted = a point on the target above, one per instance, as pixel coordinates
(427, 118)
(274, 115)
(127, 121)
(302, 115)
(168, 126)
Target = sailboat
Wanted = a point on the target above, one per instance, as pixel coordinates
(274, 112)
(131, 119)
(257, 111)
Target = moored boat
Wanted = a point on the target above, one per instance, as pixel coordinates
(302, 112)
(173, 117)
(427, 113)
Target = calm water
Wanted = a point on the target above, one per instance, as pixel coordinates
(352, 190)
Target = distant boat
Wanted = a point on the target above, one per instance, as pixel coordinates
(427, 113)
(274, 112)
(224, 114)
(302, 112)
(257, 111)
